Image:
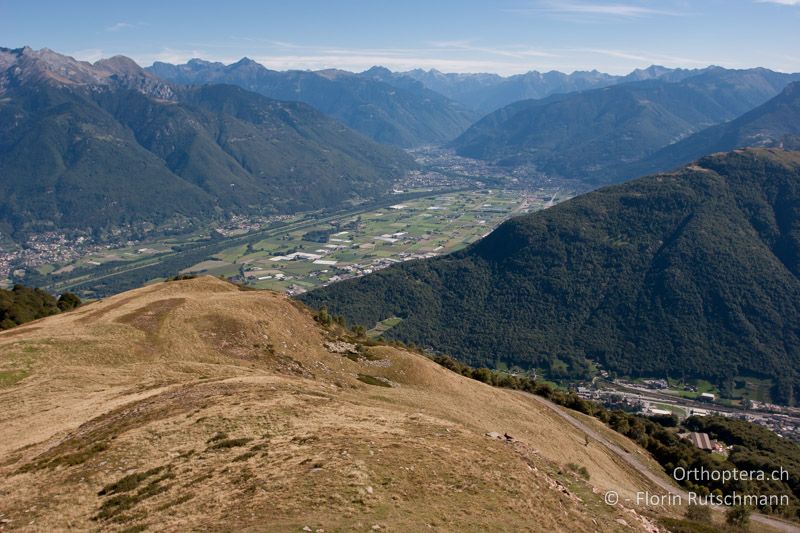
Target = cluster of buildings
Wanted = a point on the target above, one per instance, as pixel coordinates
(50, 247)
(240, 224)
(447, 161)
(427, 179)
(444, 164)
(44, 249)
(784, 421)
(786, 426)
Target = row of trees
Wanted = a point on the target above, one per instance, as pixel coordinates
(23, 304)
(657, 434)
(755, 447)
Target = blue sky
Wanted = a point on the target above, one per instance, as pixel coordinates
(503, 36)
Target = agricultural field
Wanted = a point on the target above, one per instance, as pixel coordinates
(127, 253)
(353, 245)
(292, 253)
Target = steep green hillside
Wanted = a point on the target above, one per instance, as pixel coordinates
(693, 273)
(108, 145)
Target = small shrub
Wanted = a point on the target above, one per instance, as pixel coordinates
(120, 503)
(323, 317)
(738, 517)
(698, 513)
(580, 470)
(68, 301)
(181, 277)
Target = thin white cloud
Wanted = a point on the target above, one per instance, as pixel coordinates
(456, 55)
(443, 58)
(120, 26)
(780, 2)
(354, 60)
(518, 52)
(594, 10)
(653, 59)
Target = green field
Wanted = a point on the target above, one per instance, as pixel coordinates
(752, 389)
(383, 326)
(744, 387)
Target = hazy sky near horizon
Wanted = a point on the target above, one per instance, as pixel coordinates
(503, 36)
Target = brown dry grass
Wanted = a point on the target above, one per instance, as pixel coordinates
(220, 409)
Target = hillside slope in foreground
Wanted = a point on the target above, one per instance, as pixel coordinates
(193, 404)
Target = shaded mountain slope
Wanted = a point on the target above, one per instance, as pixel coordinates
(583, 135)
(775, 123)
(403, 114)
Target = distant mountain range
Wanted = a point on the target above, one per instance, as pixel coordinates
(418, 107)
(107, 144)
(110, 145)
(402, 113)
(489, 92)
(695, 273)
(583, 135)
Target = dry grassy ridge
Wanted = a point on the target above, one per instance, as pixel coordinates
(194, 405)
